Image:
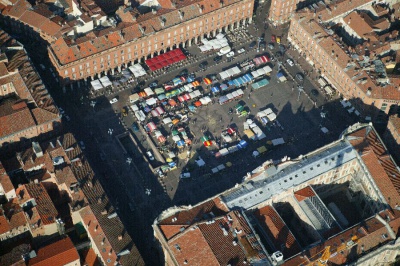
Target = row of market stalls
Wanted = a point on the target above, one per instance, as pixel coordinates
(98, 84)
(214, 44)
(266, 116)
(232, 149)
(231, 96)
(137, 70)
(166, 59)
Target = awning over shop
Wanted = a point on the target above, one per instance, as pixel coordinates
(105, 81)
(96, 85)
(137, 70)
(165, 59)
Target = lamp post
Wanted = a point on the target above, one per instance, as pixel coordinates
(93, 104)
(110, 132)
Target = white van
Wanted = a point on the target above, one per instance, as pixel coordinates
(184, 175)
(224, 50)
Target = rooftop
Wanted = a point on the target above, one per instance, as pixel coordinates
(59, 253)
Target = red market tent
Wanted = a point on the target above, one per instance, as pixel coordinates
(197, 104)
(181, 99)
(151, 126)
(187, 97)
(165, 59)
(196, 83)
(142, 94)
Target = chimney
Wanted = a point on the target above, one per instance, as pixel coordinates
(104, 212)
(119, 237)
(153, 11)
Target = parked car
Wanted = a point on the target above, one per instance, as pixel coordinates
(82, 145)
(290, 62)
(263, 45)
(67, 117)
(150, 155)
(241, 51)
(153, 85)
(273, 39)
(135, 127)
(184, 72)
(113, 100)
(299, 76)
(252, 45)
(271, 46)
(203, 65)
(314, 92)
(230, 54)
(217, 59)
(124, 111)
(278, 39)
(61, 110)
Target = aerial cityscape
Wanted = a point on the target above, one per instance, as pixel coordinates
(199, 132)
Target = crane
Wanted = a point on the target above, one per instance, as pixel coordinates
(327, 254)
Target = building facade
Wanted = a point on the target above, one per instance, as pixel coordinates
(355, 70)
(148, 35)
(281, 11)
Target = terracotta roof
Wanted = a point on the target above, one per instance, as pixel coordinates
(304, 193)
(225, 240)
(339, 7)
(11, 252)
(277, 231)
(16, 122)
(90, 258)
(43, 116)
(356, 21)
(33, 19)
(395, 121)
(4, 226)
(376, 158)
(18, 8)
(59, 253)
(6, 183)
(45, 206)
(171, 226)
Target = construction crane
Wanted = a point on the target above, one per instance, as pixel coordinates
(327, 254)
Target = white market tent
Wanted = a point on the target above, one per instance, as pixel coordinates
(134, 98)
(105, 81)
(200, 162)
(230, 72)
(137, 70)
(151, 101)
(148, 91)
(214, 44)
(167, 120)
(96, 85)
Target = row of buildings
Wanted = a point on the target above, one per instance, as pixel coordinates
(337, 205)
(48, 190)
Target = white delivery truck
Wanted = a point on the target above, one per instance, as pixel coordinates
(224, 50)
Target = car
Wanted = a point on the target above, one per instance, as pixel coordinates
(290, 62)
(67, 117)
(299, 76)
(192, 75)
(262, 45)
(278, 54)
(282, 48)
(184, 175)
(203, 65)
(273, 38)
(82, 145)
(153, 85)
(252, 45)
(278, 39)
(230, 54)
(61, 110)
(272, 58)
(314, 92)
(102, 156)
(271, 46)
(217, 59)
(150, 155)
(241, 51)
(135, 127)
(213, 78)
(184, 72)
(113, 100)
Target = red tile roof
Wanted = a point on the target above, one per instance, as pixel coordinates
(219, 241)
(6, 183)
(16, 122)
(90, 258)
(45, 206)
(383, 170)
(170, 226)
(304, 193)
(277, 231)
(4, 226)
(59, 253)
